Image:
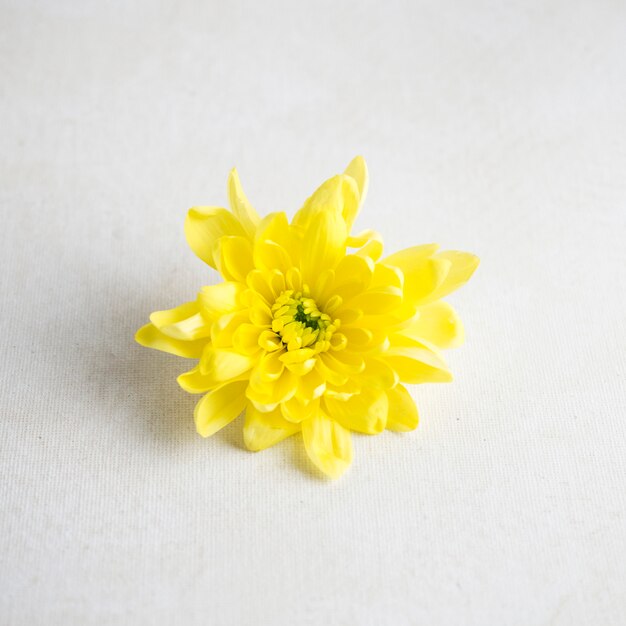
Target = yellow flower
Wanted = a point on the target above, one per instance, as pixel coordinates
(310, 331)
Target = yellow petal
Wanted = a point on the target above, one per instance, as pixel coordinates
(328, 444)
(369, 242)
(358, 171)
(235, 258)
(194, 381)
(423, 274)
(462, 266)
(379, 373)
(216, 300)
(344, 362)
(300, 362)
(220, 407)
(204, 226)
(194, 327)
(150, 337)
(377, 301)
(389, 322)
(260, 313)
(269, 340)
(327, 372)
(353, 275)
(405, 259)
(266, 395)
(240, 205)
(270, 366)
(296, 411)
(437, 323)
(269, 255)
(418, 364)
(182, 322)
(259, 282)
(224, 328)
(324, 244)
(172, 316)
(422, 280)
(402, 415)
(246, 339)
(312, 385)
(365, 412)
(338, 194)
(275, 227)
(262, 430)
(224, 364)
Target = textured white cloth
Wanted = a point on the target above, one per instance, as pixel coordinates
(497, 128)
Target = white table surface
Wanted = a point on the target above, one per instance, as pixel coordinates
(498, 128)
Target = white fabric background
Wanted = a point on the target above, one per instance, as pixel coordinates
(498, 128)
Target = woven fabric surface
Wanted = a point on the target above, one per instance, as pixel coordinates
(497, 128)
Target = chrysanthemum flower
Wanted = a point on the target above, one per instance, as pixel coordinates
(311, 330)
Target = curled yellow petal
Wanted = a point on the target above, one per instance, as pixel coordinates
(204, 226)
(172, 316)
(462, 266)
(151, 337)
(296, 411)
(224, 364)
(246, 338)
(365, 412)
(183, 322)
(224, 328)
(262, 430)
(418, 364)
(437, 323)
(194, 381)
(234, 260)
(369, 243)
(402, 414)
(328, 444)
(216, 300)
(357, 170)
(338, 194)
(219, 407)
(240, 205)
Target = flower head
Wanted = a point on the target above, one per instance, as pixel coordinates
(311, 331)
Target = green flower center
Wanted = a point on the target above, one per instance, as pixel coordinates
(300, 324)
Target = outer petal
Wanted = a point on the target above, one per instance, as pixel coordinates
(162, 319)
(262, 430)
(402, 415)
(328, 444)
(234, 258)
(223, 364)
(365, 412)
(204, 226)
(369, 242)
(182, 322)
(408, 257)
(462, 266)
(418, 364)
(194, 381)
(358, 171)
(439, 324)
(150, 337)
(240, 205)
(219, 407)
(216, 300)
(339, 194)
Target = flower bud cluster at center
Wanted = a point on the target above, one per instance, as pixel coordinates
(300, 323)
